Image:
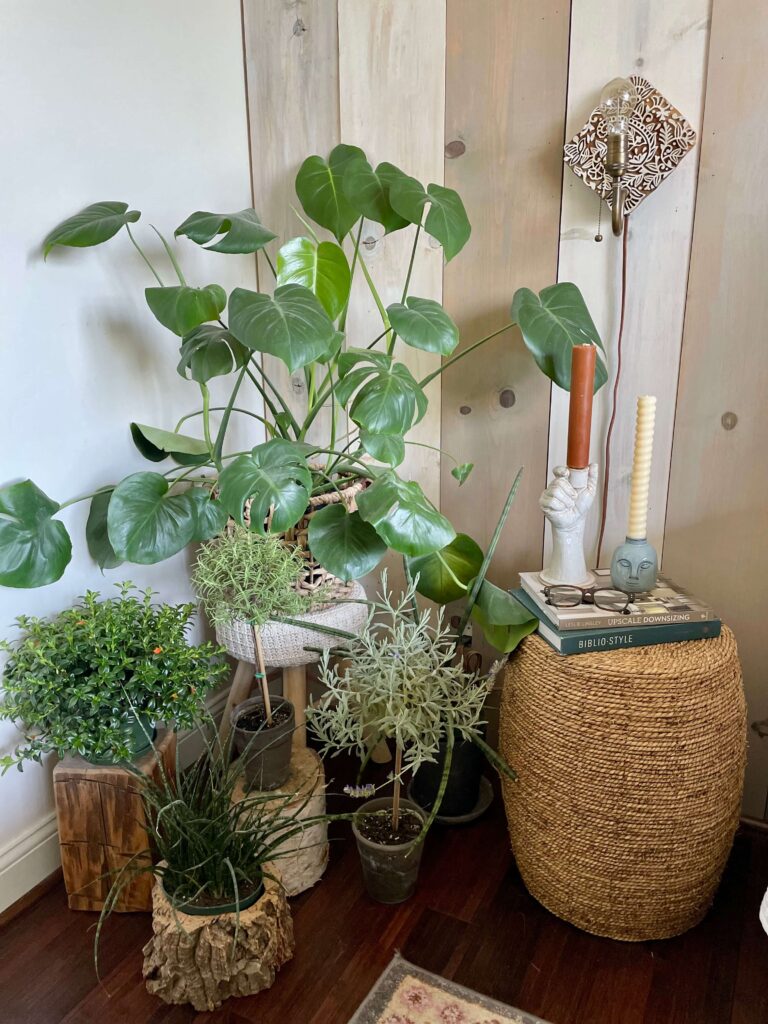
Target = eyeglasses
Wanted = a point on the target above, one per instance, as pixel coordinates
(610, 600)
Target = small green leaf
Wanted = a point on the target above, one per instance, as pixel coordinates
(462, 471)
(242, 232)
(388, 448)
(145, 523)
(181, 308)
(210, 351)
(322, 268)
(403, 516)
(343, 543)
(319, 186)
(424, 324)
(407, 196)
(35, 549)
(503, 620)
(210, 514)
(446, 220)
(95, 224)
(552, 323)
(156, 444)
(96, 534)
(460, 560)
(368, 192)
(274, 476)
(291, 324)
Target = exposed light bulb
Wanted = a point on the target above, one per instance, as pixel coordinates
(618, 102)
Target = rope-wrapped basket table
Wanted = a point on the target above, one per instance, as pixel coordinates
(630, 771)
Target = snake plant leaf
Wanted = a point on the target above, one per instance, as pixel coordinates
(291, 324)
(241, 232)
(181, 308)
(210, 351)
(210, 515)
(368, 192)
(344, 543)
(552, 323)
(147, 524)
(446, 219)
(403, 516)
(35, 549)
(424, 324)
(389, 399)
(95, 224)
(156, 444)
(462, 471)
(322, 267)
(388, 448)
(503, 620)
(438, 572)
(274, 475)
(96, 534)
(320, 188)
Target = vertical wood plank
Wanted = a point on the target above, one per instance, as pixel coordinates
(718, 491)
(505, 103)
(667, 44)
(291, 59)
(392, 102)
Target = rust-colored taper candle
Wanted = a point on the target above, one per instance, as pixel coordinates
(580, 409)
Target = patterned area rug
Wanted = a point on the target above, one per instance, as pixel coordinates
(406, 994)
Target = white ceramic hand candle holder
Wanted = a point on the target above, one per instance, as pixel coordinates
(565, 503)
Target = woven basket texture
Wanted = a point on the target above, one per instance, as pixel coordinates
(631, 767)
(284, 644)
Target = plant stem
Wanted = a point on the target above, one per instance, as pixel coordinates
(378, 338)
(85, 497)
(396, 793)
(221, 408)
(465, 352)
(270, 264)
(219, 445)
(343, 317)
(171, 257)
(207, 423)
(262, 674)
(375, 294)
(393, 339)
(143, 255)
(421, 444)
(278, 396)
(306, 224)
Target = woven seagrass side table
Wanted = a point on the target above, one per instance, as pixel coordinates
(631, 767)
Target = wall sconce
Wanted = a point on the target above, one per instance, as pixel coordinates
(632, 141)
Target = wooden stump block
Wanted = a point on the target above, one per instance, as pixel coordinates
(308, 859)
(205, 960)
(101, 827)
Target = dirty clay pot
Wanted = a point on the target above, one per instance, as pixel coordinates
(266, 752)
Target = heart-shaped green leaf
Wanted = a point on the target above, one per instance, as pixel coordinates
(242, 232)
(345, 544)
(291, 324)
(447, 219)
(462, 471)
(274, 475)
(181, 308)
(389, 399)
(438, 572)
(368, 192)
(96, 532)
(145, 523)
(552, 323)
(34, 548)
(403, 516)
(424, 324)
(156, 444)
(91, 226)
(210, 514)
(503, 620)
(322, 268)
(210, 351)
(388, 448)
(319, 186)
(407, 195)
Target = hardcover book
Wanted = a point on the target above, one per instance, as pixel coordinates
(666, 604)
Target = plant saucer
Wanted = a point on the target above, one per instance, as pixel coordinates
(484, 801)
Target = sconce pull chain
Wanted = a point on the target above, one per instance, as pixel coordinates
(598, 236)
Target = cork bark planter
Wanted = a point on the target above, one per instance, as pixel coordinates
(264, 750)
(390, 871)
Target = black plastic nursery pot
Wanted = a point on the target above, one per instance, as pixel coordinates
(139, 731)
(390, 872)
(462, 790)
(264, 750)
(210, 909)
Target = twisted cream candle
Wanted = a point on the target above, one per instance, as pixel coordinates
(641, 467)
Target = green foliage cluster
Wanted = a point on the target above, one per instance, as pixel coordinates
(73, 680)
(243, 575)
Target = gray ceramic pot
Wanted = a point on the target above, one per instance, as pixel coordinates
(390, 873)
(265, 753)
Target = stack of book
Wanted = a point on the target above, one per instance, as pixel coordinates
(665, 615)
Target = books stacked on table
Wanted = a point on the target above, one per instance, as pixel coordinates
(667, 614)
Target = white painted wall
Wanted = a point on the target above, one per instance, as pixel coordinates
(142, 102)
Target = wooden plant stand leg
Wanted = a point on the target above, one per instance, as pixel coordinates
(239, 691)
(295, 690)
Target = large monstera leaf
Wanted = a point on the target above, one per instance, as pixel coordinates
(320, 188)
(552, 323)
(241, 232)
(368, 192)
(92, 226)
(181, 308)
(403, 516)
(291, 324)
(320, 266)
(274, 476)
(503, 620)
(424, 324)
(146, 523)
(156, 444)
(445, 575)
(210, 351)
(344, 543)
(446, 220)
(389, 399)
(35, 549)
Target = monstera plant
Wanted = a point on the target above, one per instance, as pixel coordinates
(150, 515)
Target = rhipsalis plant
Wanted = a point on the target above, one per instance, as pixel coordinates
(149, 516)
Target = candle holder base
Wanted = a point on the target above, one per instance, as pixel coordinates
(565, 503)
(634, 566)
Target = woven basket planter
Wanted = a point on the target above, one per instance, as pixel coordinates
(631, 766)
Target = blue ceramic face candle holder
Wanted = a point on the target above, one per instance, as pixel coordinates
(634, 565)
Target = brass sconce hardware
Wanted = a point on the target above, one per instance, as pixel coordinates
(618, 103)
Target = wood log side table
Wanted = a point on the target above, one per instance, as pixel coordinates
(630, 772)
(100, 818)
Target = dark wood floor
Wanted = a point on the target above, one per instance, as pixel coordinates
(471, 920)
